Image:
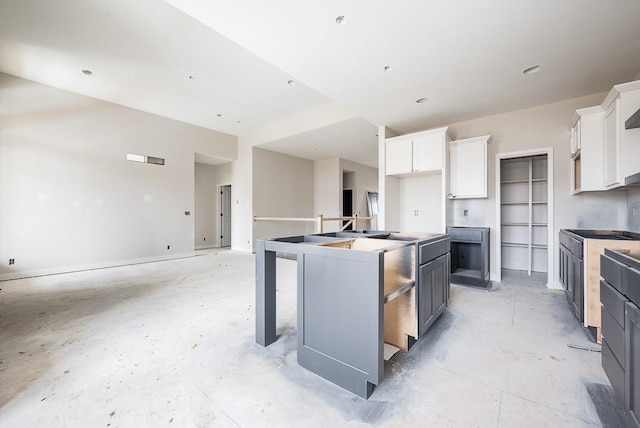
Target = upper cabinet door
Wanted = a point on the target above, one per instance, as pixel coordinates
(428, 152)
(468, 168)
(399, 155)
(611, 145)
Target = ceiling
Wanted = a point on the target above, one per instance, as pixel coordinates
(226, 64)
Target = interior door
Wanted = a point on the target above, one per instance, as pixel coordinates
(225, 216)
(347, 205)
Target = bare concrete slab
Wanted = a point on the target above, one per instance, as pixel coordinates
(173, 344)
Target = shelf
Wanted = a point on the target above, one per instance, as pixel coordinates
(524, 203)
(539, 180)
(514, 244)
(514, 182)
(524, 224)
(539, 246)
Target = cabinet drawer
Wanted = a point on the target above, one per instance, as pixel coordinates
(632, 279)
(614, 334)
(433, 250)
(612, 272)
(613, 370)
(613, 302)
(575, 247)
(463, 234)
(563, 239)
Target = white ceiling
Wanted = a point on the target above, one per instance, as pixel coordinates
(465, 56)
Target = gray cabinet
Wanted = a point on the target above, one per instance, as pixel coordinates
(633, 361)
(433, 291)
(469, 255)
(571, 266)
(620, 296)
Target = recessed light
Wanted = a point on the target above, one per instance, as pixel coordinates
(291, 82)
(219, 114)
(87, 72)
(387, 67)
(422, 100)
(531, 70)
(341, 20)
(192, 77)
(239, 121)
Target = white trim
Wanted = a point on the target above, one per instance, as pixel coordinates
(550, 224)
(92, 266)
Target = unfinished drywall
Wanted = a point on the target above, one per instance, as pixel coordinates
(282, 187)
(539, 127)
(69, 199)
(365, 180)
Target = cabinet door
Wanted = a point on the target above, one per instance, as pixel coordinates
(632, 366)
(399, 156)
(611, 145)
(428, 152)
(425, 296)
(577, 286)
(468, 169)
(433, 295)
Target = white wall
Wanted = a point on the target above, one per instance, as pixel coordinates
(365, 180)
(282, 187)
(328, 191)
(542, 126)
(633, 210)
(68, 196)
(205, 206)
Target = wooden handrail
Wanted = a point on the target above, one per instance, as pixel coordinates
(351, 221)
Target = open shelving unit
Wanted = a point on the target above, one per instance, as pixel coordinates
(523, 204)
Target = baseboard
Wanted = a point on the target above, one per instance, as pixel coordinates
(92, 266)
(205, 247)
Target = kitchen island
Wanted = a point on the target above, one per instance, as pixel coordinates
(356, 291)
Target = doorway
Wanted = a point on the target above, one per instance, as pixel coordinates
(347, 204)
(225, 215)
(524, 211)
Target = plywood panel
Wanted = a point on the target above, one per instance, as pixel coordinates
(593, 248)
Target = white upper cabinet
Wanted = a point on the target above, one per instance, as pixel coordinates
(468, 165)
(621, 145)
(612, 145)
(414, 153)
(603, 151)
(399, 155)
(428, 152)
(587, 150)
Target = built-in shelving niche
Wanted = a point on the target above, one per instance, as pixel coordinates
(523, 204)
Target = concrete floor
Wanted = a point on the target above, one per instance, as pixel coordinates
(172, 344)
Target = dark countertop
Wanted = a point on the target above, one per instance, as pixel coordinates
(616, 235)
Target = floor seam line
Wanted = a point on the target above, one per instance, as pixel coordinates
(211, 400)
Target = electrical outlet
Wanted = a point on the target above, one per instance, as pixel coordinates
(204, 239)
(12, 261)
(168, 247)
(633, 210)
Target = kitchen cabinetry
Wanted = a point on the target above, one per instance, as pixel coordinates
(414, 153)
(523, 204)
(620, 296)
(603, 151)
(469, 255)
(587, 145)
(571, 273)
(433, 291)
(468, 168)
(379, 287)
(612, 145)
